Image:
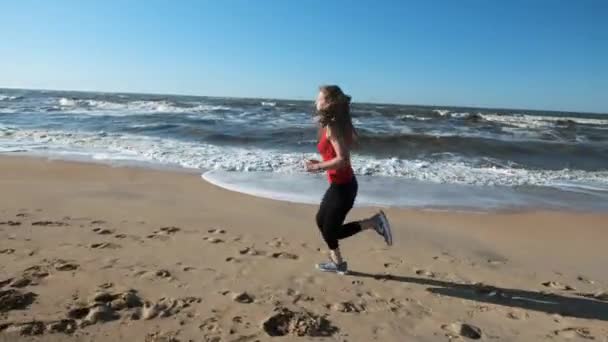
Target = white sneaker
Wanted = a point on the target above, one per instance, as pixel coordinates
(383, 227)
(341, 268)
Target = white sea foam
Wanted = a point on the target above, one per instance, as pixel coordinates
(268, 104)
(100, 107)
(523, 120)
(442, 112)
(7, 110)
(459, 115)
(241, 159)
(413, 117)
(8, 97)
(398, 192)
(535, 122)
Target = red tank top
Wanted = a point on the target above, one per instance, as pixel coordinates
(340, 176)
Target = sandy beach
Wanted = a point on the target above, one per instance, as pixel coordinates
(98, 253)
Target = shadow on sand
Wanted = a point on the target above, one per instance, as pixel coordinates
(579, 307)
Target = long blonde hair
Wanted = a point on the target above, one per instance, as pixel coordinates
(335, 114)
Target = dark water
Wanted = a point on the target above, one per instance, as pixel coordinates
(434, 144)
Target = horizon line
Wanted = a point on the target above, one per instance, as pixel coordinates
(300, 100)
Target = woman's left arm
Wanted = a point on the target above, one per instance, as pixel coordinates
(340, 160)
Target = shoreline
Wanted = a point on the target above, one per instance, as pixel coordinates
(217, 265)
(525, 204)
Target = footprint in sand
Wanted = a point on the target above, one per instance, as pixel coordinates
(211, 330)
(102, 307)
(425, 273)
(166, 307)
(120, 236)
(277, 243)
(164, 232)
(62, 265)
(103, 231)
(104, 245)
(10, 223)
(347, 307)
(106, 306)
(98, 222)
(163, 274)
(153, 275)
(213, 240)
(558, 286)
(99, 313)
(285, 322)
(456, 330)
(251, 251)
(494, 262)
(20, 282)
(297, 296)
(573, 332)
(105, 286)
(12, 299)
(35, 272)
(5, 282)
(243, 298)
(34, 328)
(169, 230)
(162, 336)
(585, 280)
(31, 275)
(518, 315)
(284, 255)
(216, 231)
(50, 224)
(7, 251)
(31, 328)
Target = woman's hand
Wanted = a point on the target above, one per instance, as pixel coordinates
(312, 165)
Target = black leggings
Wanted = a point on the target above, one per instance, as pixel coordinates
(336, 203)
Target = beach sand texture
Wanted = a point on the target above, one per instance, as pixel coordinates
(98, 253)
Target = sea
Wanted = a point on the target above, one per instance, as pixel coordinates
(432, 157)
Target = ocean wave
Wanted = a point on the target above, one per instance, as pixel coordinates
(441, 112)
(109, 146)
(8, 110)
(9, 97)
(413, 117)
(538, 122)
(526, 121)
(465, 116)
(462, 115)
(102, 107)
(268, 104)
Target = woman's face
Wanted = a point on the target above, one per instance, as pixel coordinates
(320, 102)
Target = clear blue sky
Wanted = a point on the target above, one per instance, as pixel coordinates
(541, 54)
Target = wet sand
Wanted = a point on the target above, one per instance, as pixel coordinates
(97, 253)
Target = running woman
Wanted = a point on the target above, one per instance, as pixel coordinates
(336, 136)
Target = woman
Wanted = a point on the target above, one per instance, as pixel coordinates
(336, 136)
